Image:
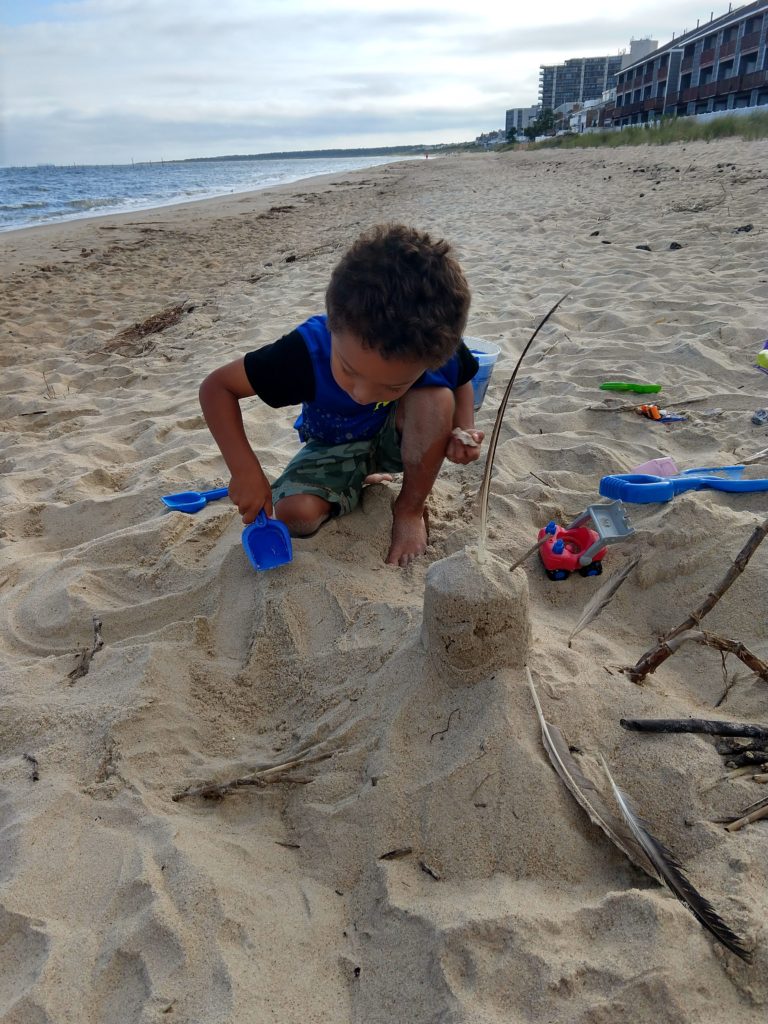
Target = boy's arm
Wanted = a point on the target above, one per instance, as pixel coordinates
(220, 395)
(464, 418)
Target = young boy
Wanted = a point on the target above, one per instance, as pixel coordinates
(382, 381)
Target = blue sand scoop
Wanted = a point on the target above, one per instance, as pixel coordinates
(193, 501)
(644, 489)
(267, 543)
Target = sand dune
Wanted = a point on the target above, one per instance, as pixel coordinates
(277, 903)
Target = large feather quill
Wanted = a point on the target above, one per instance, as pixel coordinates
(602, 598)
(585, 793)
(485, 486)
(671, 872)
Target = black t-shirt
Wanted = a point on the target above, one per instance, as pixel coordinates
(281, 373)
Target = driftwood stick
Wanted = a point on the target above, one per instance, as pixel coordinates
(259, 777)
(531, 551)
(659, 653)
(713, 728)
(752, 813)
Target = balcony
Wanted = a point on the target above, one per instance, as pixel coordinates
(687, 64)
(727, 85)
(689, 94)
(726, 49)
(707, 57)
(754, 80)
(750, 42)
(707, 90)
(655, 103)
(648, 77)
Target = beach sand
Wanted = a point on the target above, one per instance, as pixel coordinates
(501, 902)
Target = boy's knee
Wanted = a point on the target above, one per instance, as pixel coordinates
(303, 514)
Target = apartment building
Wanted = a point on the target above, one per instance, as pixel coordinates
(720, 65)
(577, 80)
(519, 118)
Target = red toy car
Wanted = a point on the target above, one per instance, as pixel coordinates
(564, 550)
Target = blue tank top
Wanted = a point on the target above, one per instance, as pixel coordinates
(334, 417)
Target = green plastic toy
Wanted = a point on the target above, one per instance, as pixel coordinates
(624, 385)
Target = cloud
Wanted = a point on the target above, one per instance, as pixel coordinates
(190, 76)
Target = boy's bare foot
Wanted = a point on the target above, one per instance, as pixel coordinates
(409, 537)
(378, 478)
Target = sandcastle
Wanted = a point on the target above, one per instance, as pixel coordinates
(476, 617)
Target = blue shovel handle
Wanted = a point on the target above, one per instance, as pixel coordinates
(645, 489)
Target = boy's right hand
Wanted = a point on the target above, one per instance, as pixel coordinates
(251, 492)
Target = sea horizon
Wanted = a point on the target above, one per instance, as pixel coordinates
(46, 194)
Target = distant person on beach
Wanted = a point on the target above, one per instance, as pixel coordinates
(383, 380)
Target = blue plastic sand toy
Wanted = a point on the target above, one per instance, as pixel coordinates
(267, 543)
(193, 501)
(644, 489)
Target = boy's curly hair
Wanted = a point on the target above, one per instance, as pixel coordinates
(401, 293)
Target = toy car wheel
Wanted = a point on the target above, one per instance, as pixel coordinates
(593, 569)
(558, 574)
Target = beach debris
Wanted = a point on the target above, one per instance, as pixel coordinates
(493, 443)
(85, 656)
(659, 653)
(745, 229)
(260, 776)
(675, 245)
(429, 871)
(755, 812)
(441, 732)
(602, 599)
(584, 791)
(131, 341)
(698, 725)
(671, 872)
(760, 417)
(34, 775)
(397, 854)
(645, 248)
(475, 618)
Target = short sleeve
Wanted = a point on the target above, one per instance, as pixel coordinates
(281, 373)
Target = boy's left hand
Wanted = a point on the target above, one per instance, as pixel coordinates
(464, 445)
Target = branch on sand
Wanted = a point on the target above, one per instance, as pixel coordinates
(667, 646)
(260, 777)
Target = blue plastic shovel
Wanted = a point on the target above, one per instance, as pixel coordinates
(267, 543)
(193, 501)
(644, 488)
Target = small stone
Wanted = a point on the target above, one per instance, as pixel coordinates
(646, 248)
(675, 245)
(744, 228)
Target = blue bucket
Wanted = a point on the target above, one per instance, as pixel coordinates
(486, 353)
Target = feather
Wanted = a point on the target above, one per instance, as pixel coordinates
(602, 598)
(485, 486)
(585, 793)
(671, 872)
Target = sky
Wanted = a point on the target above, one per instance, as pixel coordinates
(110, 81)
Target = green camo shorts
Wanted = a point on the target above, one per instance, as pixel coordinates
(336, 472)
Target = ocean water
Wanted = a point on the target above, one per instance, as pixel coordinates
(47, 194)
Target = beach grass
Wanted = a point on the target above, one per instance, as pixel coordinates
(668, 130)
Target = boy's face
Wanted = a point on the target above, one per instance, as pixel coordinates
(365, 375)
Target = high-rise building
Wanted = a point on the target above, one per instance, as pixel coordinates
(577, 80)
(518, 119)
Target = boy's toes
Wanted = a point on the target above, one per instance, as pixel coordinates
(378, 478)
